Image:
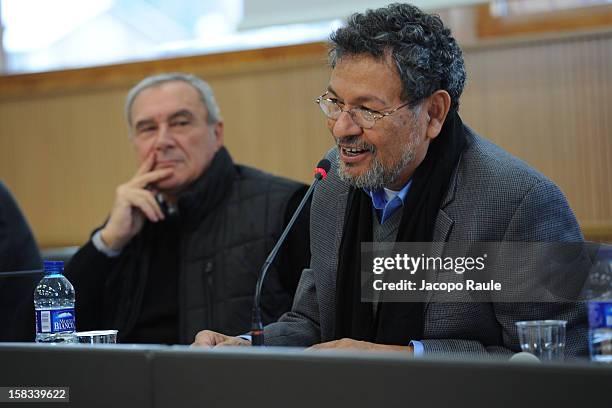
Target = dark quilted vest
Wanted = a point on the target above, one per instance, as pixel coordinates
(220, 254)
(221, 259)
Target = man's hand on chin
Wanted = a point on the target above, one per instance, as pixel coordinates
(350, 344)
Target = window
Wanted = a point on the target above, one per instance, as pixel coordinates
(43, 35)
(503, 8)
(59, 34)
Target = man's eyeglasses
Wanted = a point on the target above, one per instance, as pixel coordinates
(364, 118)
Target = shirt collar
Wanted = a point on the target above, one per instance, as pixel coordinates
(379, 197)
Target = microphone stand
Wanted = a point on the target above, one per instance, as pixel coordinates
(257, 334)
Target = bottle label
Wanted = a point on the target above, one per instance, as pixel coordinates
(600, 315)
(55, 320)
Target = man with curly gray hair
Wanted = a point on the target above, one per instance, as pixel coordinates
(406, 169)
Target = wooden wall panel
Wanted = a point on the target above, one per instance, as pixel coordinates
(64, 146)
(549, 103)
(63, 157)
(64, 151)
(272, 121)
(568, 20)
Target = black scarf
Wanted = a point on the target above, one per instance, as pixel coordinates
(208, 190)
(395, 323)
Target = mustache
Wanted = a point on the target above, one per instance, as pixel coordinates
(354, 142)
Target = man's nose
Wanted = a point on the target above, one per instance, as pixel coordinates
(164, 138)
(345, 126)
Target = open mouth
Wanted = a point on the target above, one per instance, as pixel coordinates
(352, 154)
(354, 151)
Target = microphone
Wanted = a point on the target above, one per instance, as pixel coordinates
(257, 334)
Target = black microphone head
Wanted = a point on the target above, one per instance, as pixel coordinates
(324, 164)
(322, 169)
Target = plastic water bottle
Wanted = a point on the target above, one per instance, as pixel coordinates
(54, 305)
(600, 307)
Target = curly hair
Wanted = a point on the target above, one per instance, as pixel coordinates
(426, 55)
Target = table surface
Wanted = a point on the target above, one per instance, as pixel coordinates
(180, 376)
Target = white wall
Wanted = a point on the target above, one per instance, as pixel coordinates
(1, 43)
(260, 13)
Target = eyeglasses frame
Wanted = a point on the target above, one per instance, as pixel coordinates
(377, 115)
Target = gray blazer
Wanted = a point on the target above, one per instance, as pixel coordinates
(492, 197)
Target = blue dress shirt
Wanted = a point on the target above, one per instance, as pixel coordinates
(386, 202)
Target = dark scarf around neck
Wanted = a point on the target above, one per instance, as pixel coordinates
(395, 323)
(209, 189)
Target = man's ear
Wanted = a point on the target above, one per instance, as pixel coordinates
(217, 129)
(438, 105)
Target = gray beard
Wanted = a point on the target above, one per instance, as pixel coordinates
(377, 176)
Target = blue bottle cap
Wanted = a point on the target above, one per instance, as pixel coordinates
(53, 267)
